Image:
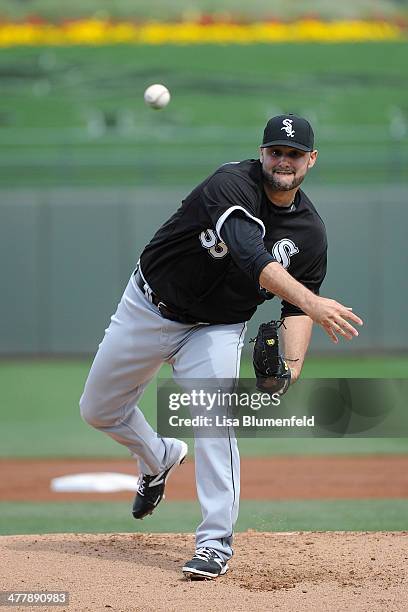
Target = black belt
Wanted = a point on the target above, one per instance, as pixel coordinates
(165, 311)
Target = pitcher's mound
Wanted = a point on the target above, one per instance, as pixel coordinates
(334, 571)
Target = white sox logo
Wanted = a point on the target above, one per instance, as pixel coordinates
(283, 251)
(211, 242)
(287, 126)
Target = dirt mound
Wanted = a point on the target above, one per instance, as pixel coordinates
(334, 571)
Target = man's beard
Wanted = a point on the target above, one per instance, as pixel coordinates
(273, 180)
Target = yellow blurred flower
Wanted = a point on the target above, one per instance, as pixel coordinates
(102, 32)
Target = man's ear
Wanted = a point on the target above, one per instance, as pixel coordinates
(261, 154)
(313, 158)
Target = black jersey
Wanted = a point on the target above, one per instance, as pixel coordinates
(190, 268)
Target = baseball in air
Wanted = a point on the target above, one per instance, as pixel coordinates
(157, 96)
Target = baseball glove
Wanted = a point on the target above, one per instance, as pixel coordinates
(272, 372)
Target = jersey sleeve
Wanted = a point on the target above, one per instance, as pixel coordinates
(227, 192)
(243, 237)
(312, 279)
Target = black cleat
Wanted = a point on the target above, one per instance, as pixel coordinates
(205, 565)
(150, 489)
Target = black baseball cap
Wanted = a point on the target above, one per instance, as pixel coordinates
(289, 130)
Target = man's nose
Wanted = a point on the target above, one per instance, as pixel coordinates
(284, 159)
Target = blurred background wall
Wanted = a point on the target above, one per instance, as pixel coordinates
(87, 172)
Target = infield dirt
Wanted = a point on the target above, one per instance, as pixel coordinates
(308, 571)
(336, 571)
(262, 478)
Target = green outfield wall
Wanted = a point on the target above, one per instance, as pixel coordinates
(67, 254)
(88, 172)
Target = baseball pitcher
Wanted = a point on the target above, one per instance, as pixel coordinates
(247, 233)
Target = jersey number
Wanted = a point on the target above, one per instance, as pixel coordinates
(215, 247)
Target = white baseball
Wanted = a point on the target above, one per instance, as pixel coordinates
(157, 96)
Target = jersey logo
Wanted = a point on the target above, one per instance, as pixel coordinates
(215, 247)
(283, 251)
(287, 126)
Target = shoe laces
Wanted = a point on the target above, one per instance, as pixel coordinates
(206, 554)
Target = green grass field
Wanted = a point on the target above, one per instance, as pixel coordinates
(40, 418)
(39, 410)
(299, 515)
(75, 116)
